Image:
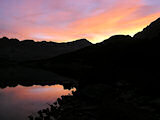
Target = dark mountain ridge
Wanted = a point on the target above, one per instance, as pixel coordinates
(16, 50)
(119, 56)
(118, 78)
(150, 32)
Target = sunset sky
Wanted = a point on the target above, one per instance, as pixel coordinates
(68, 20)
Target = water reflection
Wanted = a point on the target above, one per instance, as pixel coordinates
(19, 102)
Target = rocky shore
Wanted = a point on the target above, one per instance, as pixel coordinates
(101, 102)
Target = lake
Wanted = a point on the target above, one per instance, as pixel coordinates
(17, 103)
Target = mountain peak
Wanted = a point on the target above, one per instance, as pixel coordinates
(79, 42)
(83, 40)
(4, 38)
(150, 32)
(117, 40)
(120, 37)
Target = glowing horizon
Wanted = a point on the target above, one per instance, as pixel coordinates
(68, 20)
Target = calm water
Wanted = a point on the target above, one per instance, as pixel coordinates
(19, 102)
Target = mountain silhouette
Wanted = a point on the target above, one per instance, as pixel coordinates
(150, 32)
(16, 50)
(119, 56)
(118, 78)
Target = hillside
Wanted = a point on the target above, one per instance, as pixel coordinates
(117, 57)
(118, 78)
(15, 50)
